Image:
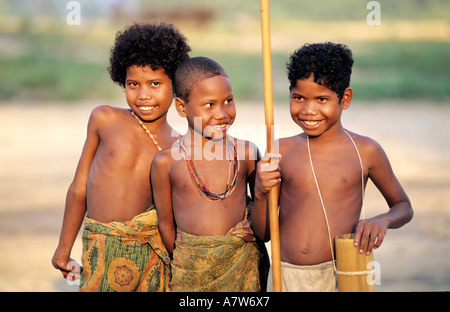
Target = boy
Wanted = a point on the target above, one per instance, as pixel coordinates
(122, 249)
(323, 174)
(200, 188)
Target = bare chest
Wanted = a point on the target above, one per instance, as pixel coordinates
(335, 171)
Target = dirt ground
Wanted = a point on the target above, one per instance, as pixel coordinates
(40, 145)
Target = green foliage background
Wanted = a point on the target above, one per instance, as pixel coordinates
(42, 58)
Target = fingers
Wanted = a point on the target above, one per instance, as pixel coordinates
(368, 236)
(268, 173)
(269, 169)
(270, 162)
(70, 270)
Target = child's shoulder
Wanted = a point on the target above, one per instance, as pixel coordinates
(298, 138)
(369, 149)
(364, 142)
(286, 143)
(108, 110)
(107, 113)
(247, 143)
(168, 155)
(246, 149)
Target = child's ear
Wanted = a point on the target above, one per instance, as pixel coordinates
(347, 98)
(180, 105)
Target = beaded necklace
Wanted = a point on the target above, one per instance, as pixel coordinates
(146, 130)
(198, 182)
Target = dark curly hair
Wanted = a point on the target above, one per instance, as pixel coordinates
(329, 63)
(194, 70)
(157, 46)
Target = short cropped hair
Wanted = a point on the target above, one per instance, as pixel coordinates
(329, 63)
(194, 70)
(154, 45)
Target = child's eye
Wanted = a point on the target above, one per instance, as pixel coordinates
(322, 100)
(155, 83)
(297, 97)
(132, 84)
(230, 100)
(209, 105)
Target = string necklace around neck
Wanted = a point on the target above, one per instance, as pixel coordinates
(197, 180)
(146, 130)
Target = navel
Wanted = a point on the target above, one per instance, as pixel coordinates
(305, 250)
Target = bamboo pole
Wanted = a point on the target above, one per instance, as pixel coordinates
(352, 271)
(268, 108)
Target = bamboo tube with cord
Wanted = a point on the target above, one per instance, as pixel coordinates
(352, 270)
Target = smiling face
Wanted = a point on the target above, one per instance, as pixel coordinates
(316, 108)
(211, 101)
(148, 92)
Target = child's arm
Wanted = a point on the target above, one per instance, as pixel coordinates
(371, 232)
(162, 197)
(75, 208)
(267, 176)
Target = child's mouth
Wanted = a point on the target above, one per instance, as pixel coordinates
(311, 124)
(146, 109)
(221, 126)
(219, 129)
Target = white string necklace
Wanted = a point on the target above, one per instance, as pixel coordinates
(323, 206)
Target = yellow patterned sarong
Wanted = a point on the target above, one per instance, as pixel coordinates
(125, 256)
(216, 263)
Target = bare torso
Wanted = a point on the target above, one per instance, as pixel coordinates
(193, 213)
(304, 236)
(118, 185)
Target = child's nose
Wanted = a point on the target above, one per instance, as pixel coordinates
(145, 94)
(309, 108)
(221, 113)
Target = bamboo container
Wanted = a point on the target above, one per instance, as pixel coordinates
(352, 271)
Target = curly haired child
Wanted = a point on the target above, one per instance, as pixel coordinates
(111, 191)
(323, 173)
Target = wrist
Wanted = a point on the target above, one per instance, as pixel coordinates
(260, 195)
(387, 221)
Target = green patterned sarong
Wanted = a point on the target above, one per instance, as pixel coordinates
(218, 262)
(124, 256)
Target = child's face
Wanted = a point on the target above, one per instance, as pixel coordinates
(148, 92)
(316, 108)
(211, 102)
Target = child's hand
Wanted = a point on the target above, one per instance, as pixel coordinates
(69, 268)
(267, 173)
(370, 233)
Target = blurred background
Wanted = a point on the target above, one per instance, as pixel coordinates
(53, 60)
(43, 57)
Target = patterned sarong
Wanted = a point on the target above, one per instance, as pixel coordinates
(218, 262)
(125, 256)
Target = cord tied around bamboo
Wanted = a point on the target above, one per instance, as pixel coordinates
(351, 266)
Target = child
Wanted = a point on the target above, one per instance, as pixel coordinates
(122, 249)
(323, 174)
(200, 188)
